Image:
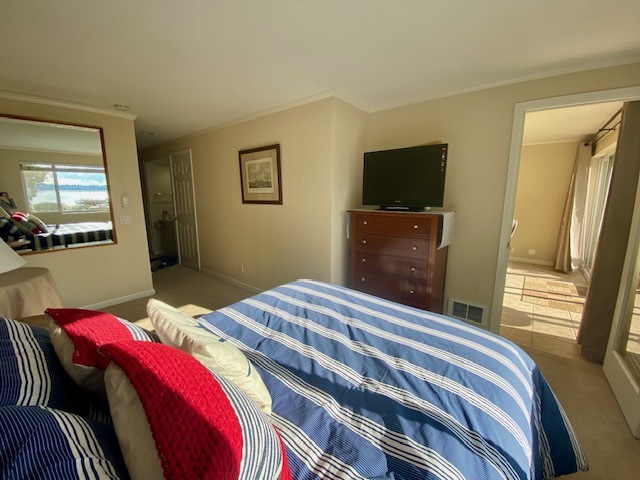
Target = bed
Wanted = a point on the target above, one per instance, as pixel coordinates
(61, 235)
(360, 388)
(366, 388)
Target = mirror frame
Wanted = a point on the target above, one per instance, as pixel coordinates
(100, 131)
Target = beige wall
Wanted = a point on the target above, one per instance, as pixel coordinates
(322, 145)
(478, 127)
(349, 136)
(543, 183)
(95, 276)
(276, 243)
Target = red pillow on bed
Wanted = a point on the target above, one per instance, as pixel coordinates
(25, 223)
(76, 335)
(177, 419)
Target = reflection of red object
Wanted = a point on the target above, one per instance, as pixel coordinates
(23, 219)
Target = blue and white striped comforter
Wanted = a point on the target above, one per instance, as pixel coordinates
(366, 388)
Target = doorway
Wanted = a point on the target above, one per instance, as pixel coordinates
(542, 307)
(170, 211)
(520, 111)
(163, 246)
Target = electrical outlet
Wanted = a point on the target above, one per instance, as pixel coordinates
(242, 268)
(531, 251)
(125, 219)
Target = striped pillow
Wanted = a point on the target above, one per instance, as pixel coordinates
(176, 418)
(44, 443)
(31, 374)
(9, 231)
(76, 335)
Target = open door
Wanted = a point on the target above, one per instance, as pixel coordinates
(185, 208)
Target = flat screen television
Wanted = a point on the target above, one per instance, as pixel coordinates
(409, 178)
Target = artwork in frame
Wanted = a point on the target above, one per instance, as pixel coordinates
(260, 175)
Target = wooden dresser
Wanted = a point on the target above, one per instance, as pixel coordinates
(395, 255)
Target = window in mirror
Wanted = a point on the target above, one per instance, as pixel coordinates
(64, 188)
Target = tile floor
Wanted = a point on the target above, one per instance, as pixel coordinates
(542, 309)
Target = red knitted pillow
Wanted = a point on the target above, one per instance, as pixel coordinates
(76, 335)
(200, 425)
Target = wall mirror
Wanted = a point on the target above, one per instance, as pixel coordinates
(56, 176)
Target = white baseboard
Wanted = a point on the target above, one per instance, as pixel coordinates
(532, 261)
(232, 281)
(116, 301)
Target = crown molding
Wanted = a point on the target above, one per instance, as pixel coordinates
(65, 104)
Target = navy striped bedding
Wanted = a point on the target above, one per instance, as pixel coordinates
(46, 444)
(61, 235)
(31, 374)
(366, 388)
(72, 234)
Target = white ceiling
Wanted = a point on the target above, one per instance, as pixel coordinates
(570, 124)
(186, 66)
(17, 134)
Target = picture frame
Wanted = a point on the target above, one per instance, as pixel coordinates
(260, 176)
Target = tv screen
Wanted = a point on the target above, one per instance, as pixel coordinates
(409, 178)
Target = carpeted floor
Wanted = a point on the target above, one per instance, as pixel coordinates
(580, 385)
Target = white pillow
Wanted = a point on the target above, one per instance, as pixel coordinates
(181, 331)
(132, 427)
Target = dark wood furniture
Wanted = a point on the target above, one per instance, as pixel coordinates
(395, 255)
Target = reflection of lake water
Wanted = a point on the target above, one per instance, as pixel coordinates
(68, 196)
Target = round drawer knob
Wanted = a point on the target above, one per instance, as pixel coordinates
(413, 269)
(365, 222)
(364, 260)
(411, 292)
(415, 226)
(362, 279)
(414, 248)
(364, 241)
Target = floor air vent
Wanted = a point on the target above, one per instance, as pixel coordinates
(467, 312)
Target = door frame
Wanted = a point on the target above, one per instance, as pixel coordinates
(520, 111)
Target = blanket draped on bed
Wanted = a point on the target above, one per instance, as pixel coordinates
(366, 388)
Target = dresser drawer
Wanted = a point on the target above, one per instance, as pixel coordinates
(392, 245)
(406, 267)
(412, 225)
(398, 289)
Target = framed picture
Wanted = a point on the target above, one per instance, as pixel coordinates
(260, 175)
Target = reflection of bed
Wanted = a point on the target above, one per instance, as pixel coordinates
(65, 235)
(365, 388)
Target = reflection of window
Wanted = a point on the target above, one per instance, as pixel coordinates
(61, 188)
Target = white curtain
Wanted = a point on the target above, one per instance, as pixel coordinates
(569, 249)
